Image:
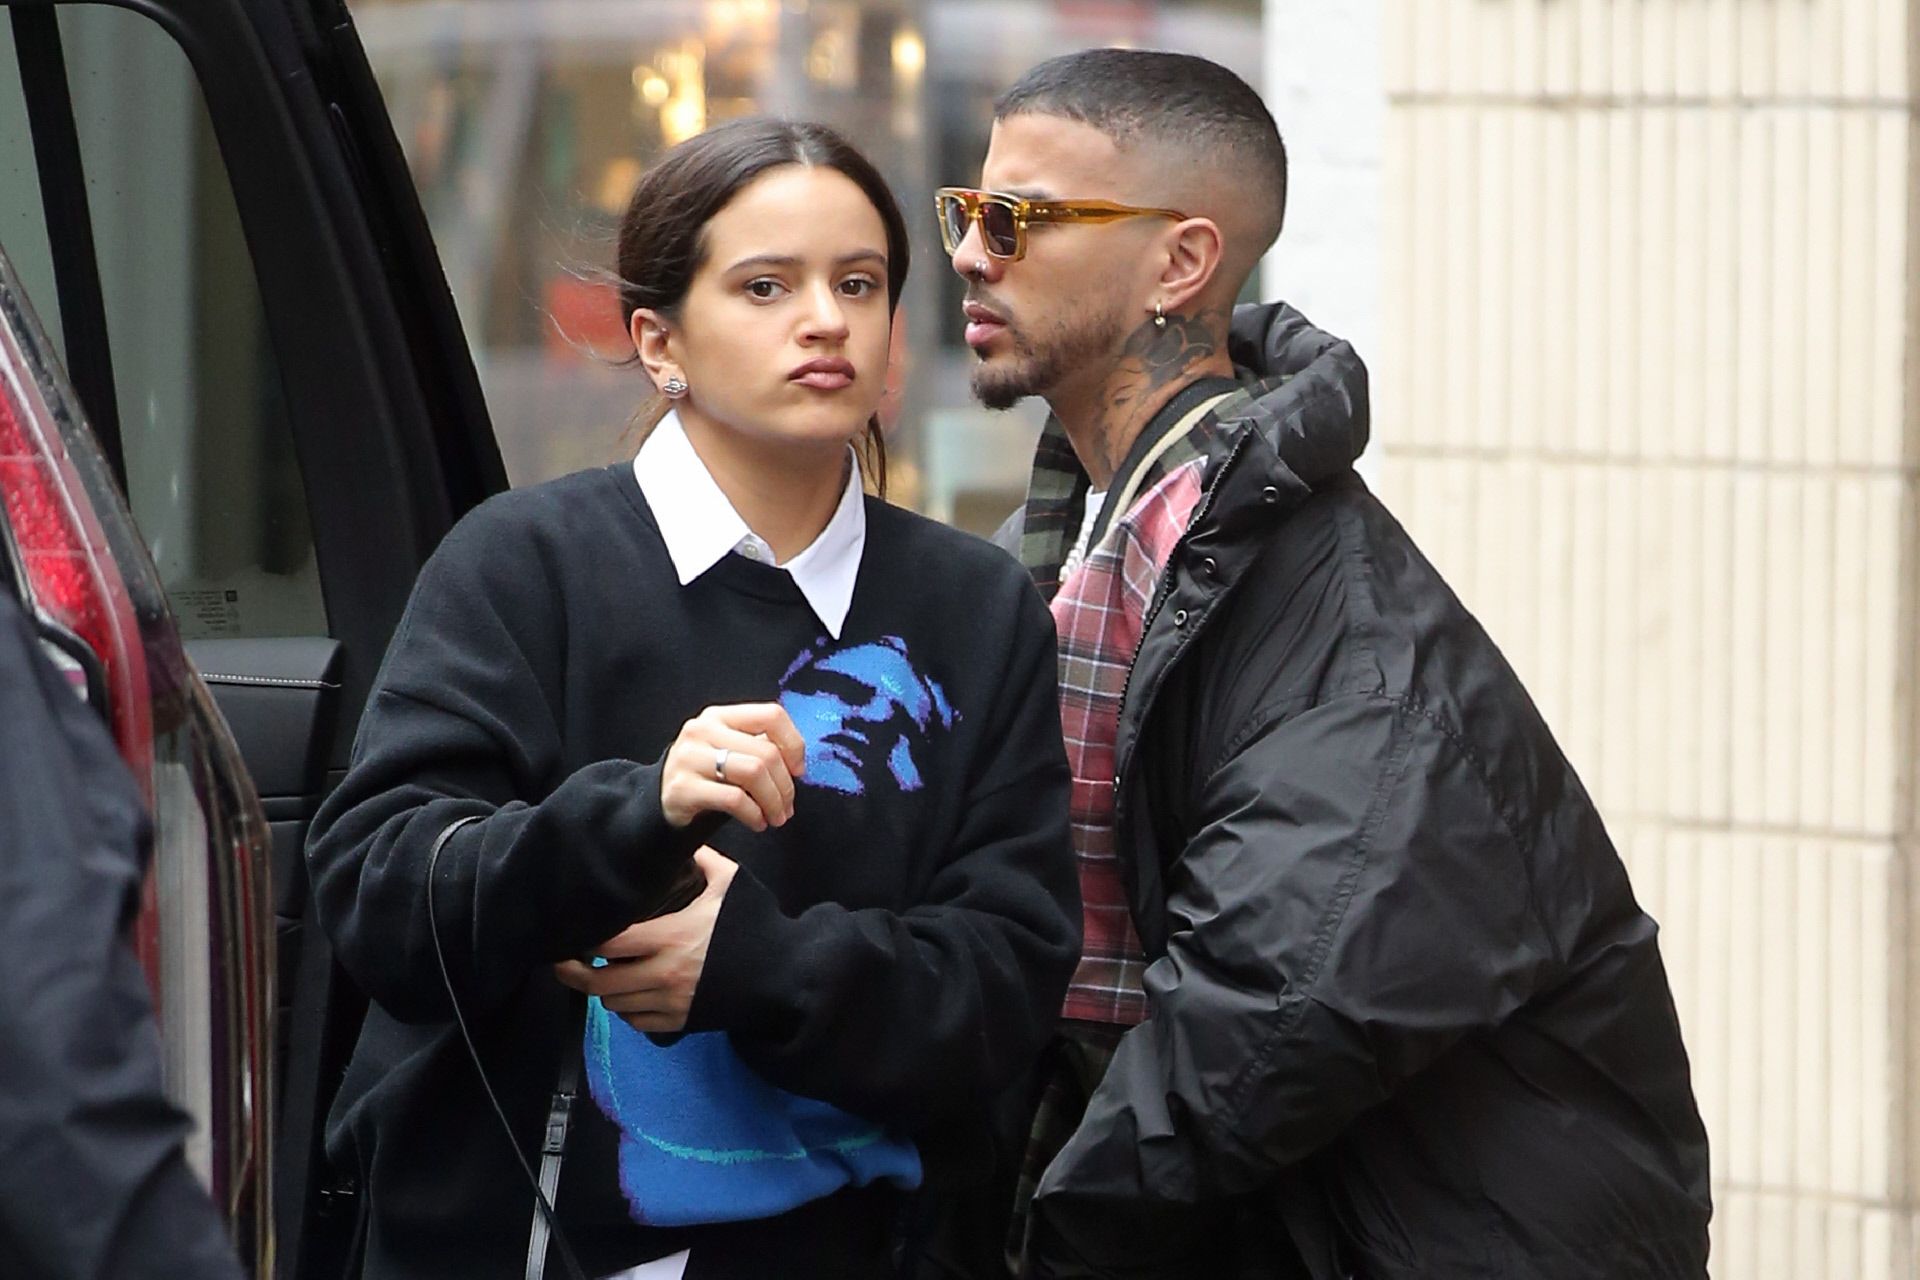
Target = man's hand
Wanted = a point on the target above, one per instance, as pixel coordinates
(654, 967)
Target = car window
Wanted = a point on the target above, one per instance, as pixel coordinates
(211, 473)
(23, 221)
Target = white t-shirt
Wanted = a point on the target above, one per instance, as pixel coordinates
(1096, 499)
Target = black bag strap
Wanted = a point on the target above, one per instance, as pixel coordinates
(553, 1150)
(559, 1113)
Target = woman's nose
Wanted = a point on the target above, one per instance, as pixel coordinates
(826, 318)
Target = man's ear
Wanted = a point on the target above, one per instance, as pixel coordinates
(1194, 249)
(654, 340)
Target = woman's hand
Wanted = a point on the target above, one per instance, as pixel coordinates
(739, 760)
(654, 967)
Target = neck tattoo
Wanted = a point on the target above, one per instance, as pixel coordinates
(1154, 361)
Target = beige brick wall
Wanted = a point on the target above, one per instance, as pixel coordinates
(1650, 397)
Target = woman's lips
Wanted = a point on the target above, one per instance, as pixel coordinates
(824, 381)
(824, 375)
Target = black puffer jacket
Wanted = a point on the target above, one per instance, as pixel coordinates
(1404, 1005)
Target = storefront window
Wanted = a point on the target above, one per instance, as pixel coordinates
(527, 123)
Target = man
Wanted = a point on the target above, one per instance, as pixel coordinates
(93, 1180)
(1366, 991)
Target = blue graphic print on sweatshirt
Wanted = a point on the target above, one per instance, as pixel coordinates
(702, 1138)
(859, 705)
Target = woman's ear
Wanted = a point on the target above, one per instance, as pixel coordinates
(653, 340)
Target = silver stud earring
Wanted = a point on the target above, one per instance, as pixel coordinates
(674, 387)
(1159, 316)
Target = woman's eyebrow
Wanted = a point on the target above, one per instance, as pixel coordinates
(789, 260)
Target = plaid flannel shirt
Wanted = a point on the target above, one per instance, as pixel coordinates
(1100, 612)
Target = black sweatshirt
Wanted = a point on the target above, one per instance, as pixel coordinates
(898, 950)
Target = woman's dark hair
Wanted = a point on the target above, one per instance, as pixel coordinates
(663, 234)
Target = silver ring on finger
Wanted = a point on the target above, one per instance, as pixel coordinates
(720, 755)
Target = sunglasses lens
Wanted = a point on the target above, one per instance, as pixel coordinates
(997, 229)
(953, 221)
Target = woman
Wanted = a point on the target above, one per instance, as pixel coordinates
(723, 652)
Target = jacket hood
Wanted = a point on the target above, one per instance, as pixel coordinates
(1315, 416)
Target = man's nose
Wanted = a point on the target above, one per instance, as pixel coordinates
(971, 261)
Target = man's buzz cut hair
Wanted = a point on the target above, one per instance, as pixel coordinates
(1175, 99)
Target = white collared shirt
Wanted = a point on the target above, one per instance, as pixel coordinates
(700, 526)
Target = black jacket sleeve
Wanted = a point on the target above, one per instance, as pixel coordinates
(908, 1017)
(464, 721)
(1352, 904)
(93, 1181)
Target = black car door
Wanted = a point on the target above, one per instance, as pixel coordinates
(209, 203)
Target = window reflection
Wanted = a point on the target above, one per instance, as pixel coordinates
(527, 122)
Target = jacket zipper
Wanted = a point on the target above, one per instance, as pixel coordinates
(1160, 593)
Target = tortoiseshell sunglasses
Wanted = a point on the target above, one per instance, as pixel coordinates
(1004, 219)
